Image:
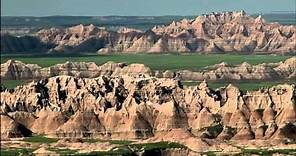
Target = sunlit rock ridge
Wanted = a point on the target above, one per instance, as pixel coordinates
(141, 107)
(226, 32)
(286, 70)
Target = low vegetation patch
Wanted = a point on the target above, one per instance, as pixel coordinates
(118, 142)
(40, 139)
(10, 84)
(158, 145)
(115, 152)
(156, 62)
(15, 151)
(209, 153)
(124, 149)
(215, 130)
(268, 152)
(63, 151)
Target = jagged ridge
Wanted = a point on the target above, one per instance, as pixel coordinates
(148, 107)
(17, 70)
(216, 32)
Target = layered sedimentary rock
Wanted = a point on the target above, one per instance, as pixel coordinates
(11, 128)
(216, 32)
(148, 107)
(16, 70)
(244, 71)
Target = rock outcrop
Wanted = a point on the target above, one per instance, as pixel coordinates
(244, 71)
(10, 43)
(211, 33)
(149, 107)
(16, 70)
(11, 128)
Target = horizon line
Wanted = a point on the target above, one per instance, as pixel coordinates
(116, 15)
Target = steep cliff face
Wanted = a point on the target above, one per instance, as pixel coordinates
(216, 32)
(16, 70)
(148, 107)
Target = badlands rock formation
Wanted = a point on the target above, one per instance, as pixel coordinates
(216, 32)
(11, 43)
(244, 71)
(16, 70)
(142, 107)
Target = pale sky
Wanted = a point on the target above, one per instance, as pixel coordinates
(139, 7)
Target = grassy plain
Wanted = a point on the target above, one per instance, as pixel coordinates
(191, 61)
(11, 83)
(40, 139)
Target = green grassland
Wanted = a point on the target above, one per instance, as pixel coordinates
(146, 148)
(40, 139)
(123, 147)
(16, 151)
(126, 147)
(266, 152)
(11, 83)
(154, 61)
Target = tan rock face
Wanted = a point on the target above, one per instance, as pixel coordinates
(216, 32)
(244, 71)
(11, 129)
(17, 70)
(147, 107)
(13, 69)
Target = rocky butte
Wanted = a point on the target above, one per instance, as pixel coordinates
(17, 70)
(225, 32)
(150, 109)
